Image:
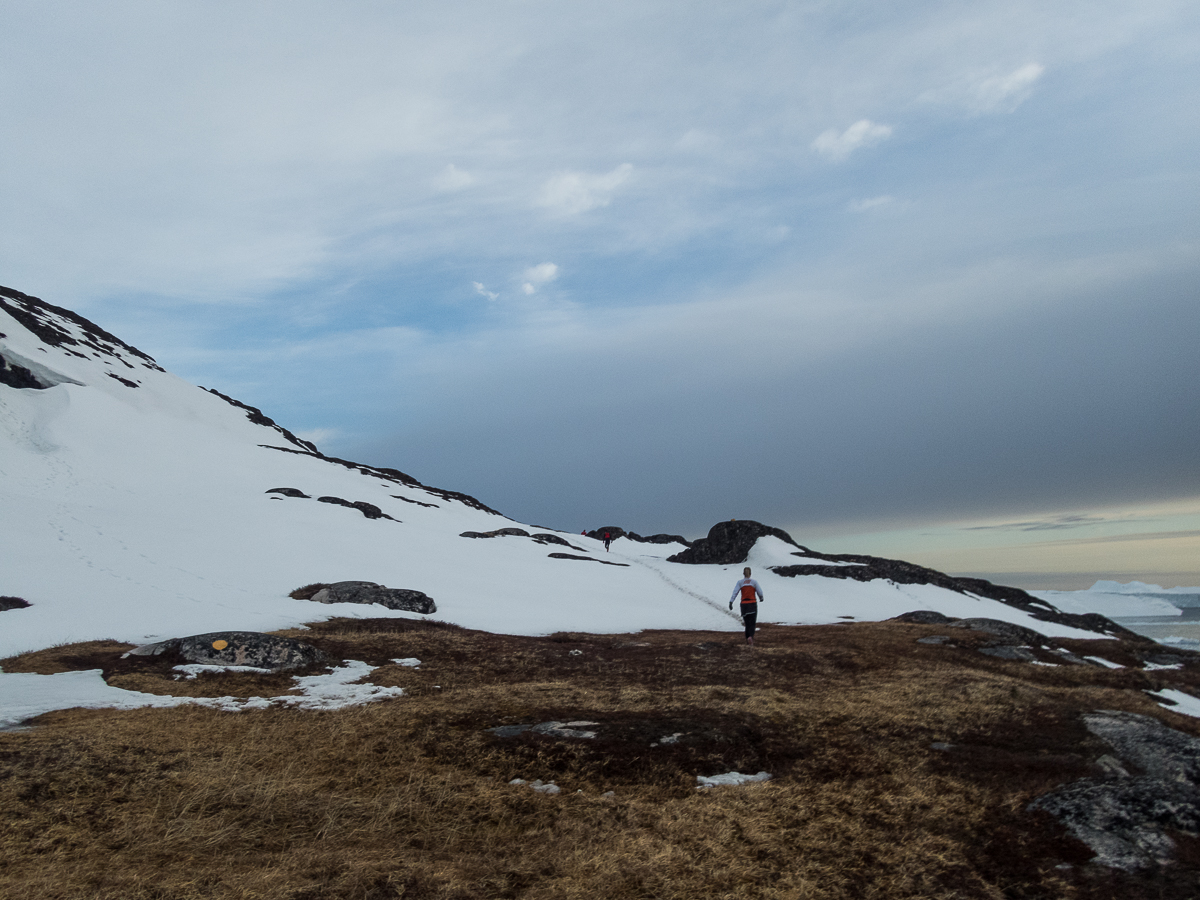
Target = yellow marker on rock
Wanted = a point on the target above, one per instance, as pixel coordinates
(220, 645)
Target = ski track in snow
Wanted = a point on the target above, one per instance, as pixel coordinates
(719, 607)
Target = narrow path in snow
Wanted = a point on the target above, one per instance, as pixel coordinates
(719, 607)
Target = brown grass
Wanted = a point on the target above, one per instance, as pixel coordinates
(411, 797)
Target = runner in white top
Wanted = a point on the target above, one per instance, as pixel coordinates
(751, 595)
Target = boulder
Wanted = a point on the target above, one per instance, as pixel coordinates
(13, 603)
(238, 648)
(1124, 818)
(922, 617)
(729, 543)
(370, 510)
(499, 532)
(369, 592)
(289, 492)
(1007, 632)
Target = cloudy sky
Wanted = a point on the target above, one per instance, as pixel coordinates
(918, 280)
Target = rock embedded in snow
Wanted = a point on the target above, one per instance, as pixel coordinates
(238, 648)
(12, 603)
(499, 532)
(370, 510)
(290, 492)
(368, 592)
(585, 559)
(729, 543)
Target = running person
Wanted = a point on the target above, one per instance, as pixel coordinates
(751, 595)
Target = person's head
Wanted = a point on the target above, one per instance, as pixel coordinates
(746, 571)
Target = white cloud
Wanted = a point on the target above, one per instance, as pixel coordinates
(989, 93)
(318, 435)
(1006, 92)
(571, 193)
(536, 276)
(871, 203)
(483, 291)
(838, 145)
(453, 178)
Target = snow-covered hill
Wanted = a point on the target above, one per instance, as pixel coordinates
(139, 507)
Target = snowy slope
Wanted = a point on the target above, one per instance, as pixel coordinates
(135, 507)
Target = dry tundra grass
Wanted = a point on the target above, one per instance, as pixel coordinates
(411, 797)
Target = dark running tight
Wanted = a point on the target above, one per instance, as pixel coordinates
(749, 617)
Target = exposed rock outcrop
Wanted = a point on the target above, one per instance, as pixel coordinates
(615, 532)
(499, 532)
(17, 376)
(238, 648)
(368, 592)
(586, 559)
(872, 568)
(728, 543)
(46, 322)
(290, 492)
(13, 603)
(1125, 817)
(370, 510)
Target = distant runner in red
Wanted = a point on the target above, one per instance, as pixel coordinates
(607, 541)
(751, 595)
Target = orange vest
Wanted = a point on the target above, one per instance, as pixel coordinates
(748, 594)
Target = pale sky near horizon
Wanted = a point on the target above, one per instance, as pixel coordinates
(918, 280)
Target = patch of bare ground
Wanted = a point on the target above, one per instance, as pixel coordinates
(901, 770)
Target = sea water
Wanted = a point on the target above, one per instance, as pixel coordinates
(1182, 630)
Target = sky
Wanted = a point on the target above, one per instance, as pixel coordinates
(918, 281)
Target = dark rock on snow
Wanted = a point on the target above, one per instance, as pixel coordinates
(1125, 818)
(39, 317)
(369, 592)
(586, 559)
(555, 539)
(729, 543)
(615, 532)
(370, 510)
(19, 377)
(290, 492)
(12, 603)
(238, 648)
(871, 568)
(415, 502)
(499, 532)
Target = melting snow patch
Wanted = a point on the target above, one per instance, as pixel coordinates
(548, 787)
(1155, 667)
(729, 778)
(1104, 662)
(1178, 701)
(28, 695)
(411, 662)
(191, 670)
(338, 689)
